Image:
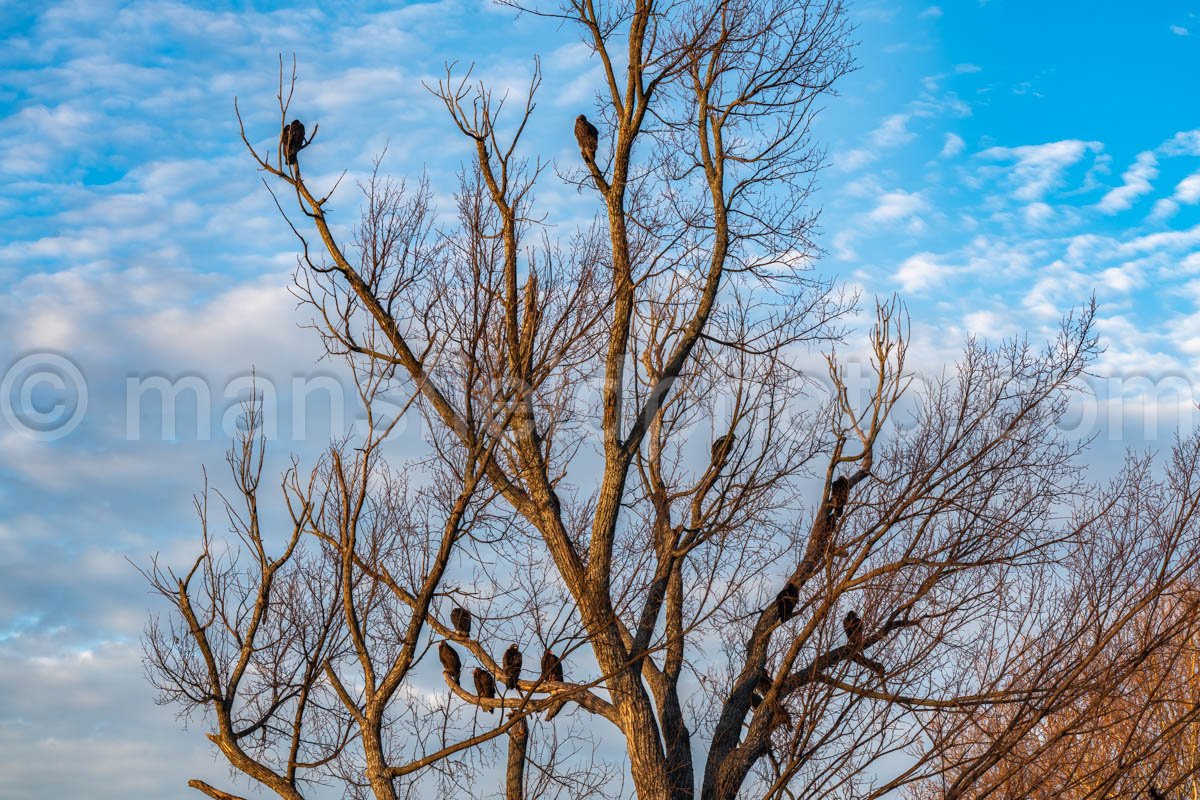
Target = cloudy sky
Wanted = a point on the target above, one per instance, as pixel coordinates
(993, 162)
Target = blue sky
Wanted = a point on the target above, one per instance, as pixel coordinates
(995, 163)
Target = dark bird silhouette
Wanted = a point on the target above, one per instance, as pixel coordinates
(485, 685)
(512, 666)
(762, 685)
(460, 618)
(293, 140)
(552, 670)
(852, 624)
(839, 495)
(785, 601)
(451, 664)
(1155, 794)
(721, 448)
(588, 138)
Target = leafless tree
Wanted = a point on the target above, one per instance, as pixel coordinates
(622, 437)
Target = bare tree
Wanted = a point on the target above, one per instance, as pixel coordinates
(622, 436)
(1132, 733)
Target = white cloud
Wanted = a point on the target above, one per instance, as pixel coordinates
(921, 271)
(933, 12)
(953, 146)
(1136, 183)
(1164, 209)
(897, 205)
(1188, 190)
(990, 324)
(1039, 168)
(1179, 30)
(1037, 214)
(891, 133)
(1184, 143)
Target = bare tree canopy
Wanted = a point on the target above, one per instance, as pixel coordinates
(757, 589)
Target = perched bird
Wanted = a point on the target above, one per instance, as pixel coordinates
(762, 685)
(588, 138)
(552, 669)
(839, 491)
(460, 618)
(512, 666)
(721, 448)
(293, 140)
(785, 601)
(1155, 794)
(852, 624)
(451, 664)
(485, 685)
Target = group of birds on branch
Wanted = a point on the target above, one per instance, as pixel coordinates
(511, 664)
(785, 602)
(292, 140)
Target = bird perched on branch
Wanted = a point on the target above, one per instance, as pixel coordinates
(785, 601)
(762, 685)
(451, 664)
(1155, 794)
(721, 448)
(588, 138)
(852, 624)
(512, 666)
(460, 618)
(552, 670)
(485, 685)
(293, 141)
(839, 495)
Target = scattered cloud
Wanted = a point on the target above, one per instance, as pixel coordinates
(954, 145)
(1039, 169)
(891, 133)
(921, 271)
(933, 12)
(1188, 190)
(1179, 30)
(897, 205)
(1137, 182)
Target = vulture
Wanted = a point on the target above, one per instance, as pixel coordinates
(762, 685)
(852, 624)
(293, 140)
(552, 669)
(451, 664)
(460, 618)
(588, 138)
(839, 495)
(721, 448)
(485, 685)
(512, 666)
(785, 601)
